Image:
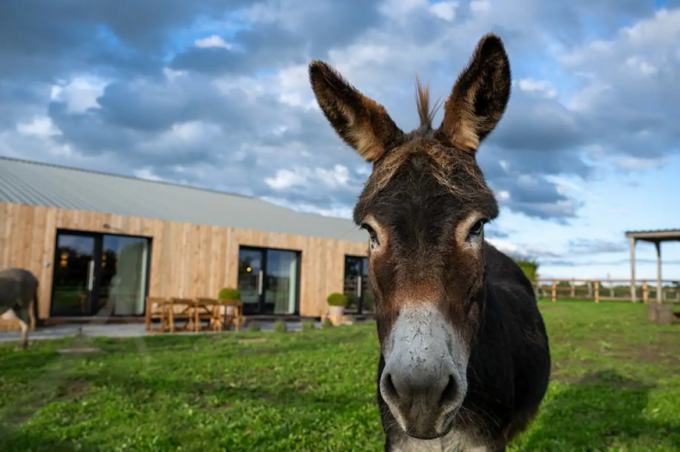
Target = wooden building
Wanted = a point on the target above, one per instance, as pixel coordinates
(101, 243)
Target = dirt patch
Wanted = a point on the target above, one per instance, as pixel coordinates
(68, 391)
(665, 351)
(611, 380)
(603, 378)
(258, 340)
(72, 390)
(79, 350)
(249, 351)
(558, 367)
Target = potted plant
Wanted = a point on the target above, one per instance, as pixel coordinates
(664, 314)
(336, 304)
(230, 294)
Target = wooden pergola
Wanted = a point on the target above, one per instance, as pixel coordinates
(655, 237)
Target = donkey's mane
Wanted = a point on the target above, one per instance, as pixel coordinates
(425, 112)
(441, 161)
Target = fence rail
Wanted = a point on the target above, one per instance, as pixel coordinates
(607, 289)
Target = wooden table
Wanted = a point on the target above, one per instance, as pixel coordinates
(186, 313)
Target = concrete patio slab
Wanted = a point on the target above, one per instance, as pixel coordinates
(120, 331)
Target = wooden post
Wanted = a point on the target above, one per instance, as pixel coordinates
(632, 270)
(554, 291)
(597, 291)
(573, 289)
(659, 289)
(645, 292)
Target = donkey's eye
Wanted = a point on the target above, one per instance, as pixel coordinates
(373, 240)
(477, 228)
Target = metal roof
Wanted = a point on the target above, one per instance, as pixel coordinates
(656, 235)
(41, 184)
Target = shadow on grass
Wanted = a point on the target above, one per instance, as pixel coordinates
(601, 411)
(223, 401)
(19, 363)
(37, 441)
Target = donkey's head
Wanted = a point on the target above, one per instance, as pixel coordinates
(424, 207)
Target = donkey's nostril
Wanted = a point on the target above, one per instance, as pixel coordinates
(389, 389)
(450, 393)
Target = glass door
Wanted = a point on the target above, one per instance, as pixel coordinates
(100, 274)
(367, 302)
(357, 286)
(281, 273)
(74, 276)
(352, 285)
(268, 280)
(251, 279)
(122, 288)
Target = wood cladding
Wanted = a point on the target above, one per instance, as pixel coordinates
(187, 260)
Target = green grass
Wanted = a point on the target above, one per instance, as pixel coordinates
(615, 387)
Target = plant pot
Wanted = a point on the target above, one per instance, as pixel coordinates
(664, 315)
(652, 311)
(336, 311)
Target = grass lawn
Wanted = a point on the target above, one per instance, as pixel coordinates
(616, 386)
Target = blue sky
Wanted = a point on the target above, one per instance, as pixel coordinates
(215, 93)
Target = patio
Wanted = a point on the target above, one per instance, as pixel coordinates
(118, 331)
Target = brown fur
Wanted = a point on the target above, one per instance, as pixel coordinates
(361, 122)
(479, 96)
(425, 194)
(425, 113)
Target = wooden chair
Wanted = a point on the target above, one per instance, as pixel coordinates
(157, 309)
(185, 312)
(237, 318)
(210, 309)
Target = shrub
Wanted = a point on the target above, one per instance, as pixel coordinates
(327, 323)
(254, 327)
(307, 326)
(337, 299)
(229, 294)
(529, 267)
(280, 326)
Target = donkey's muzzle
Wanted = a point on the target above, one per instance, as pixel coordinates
(421, 396)
(423, 381)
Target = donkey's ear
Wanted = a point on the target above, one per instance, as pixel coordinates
(479, 96)
(361, 122)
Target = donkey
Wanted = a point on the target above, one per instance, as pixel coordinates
(465, 359)
(18, 299)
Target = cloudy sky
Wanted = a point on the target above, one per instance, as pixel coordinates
(215, 94)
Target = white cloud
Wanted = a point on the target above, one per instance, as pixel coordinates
(40, 126)
(213, 41)
(543, 87)
(503, 245)
(399, 9)
(444, 10)
(79, 93)
(293, 87)
(286, 179)
(337, 211)
(480, 6)
(641, 66)
(147, 174)
(503, 195)
(638, 163)
(334, 178)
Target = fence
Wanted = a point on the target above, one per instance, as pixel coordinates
(607, 289)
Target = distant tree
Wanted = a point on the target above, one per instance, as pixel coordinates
(529, 267)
